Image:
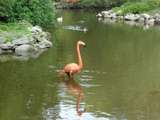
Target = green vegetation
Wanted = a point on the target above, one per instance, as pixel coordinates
(137, 7)
(99, 3)
(34, 11)
(10, 31)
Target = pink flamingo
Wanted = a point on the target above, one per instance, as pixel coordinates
(73, 68)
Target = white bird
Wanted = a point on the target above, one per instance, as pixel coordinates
(60, 19)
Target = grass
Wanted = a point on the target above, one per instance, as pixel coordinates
(10, 31)
(137, 7)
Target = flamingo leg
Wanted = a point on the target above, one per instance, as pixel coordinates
(70, 75)
(79, 98)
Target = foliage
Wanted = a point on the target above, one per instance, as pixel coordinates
(137, 7)
(14, 30)
(101, 3)
(34, 11)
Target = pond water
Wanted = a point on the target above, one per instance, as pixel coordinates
(120, 79)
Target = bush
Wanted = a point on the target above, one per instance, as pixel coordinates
(10, 31)
(137, 7)
(99, 3)
(34, 11)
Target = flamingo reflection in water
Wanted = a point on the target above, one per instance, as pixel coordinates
(76, 90)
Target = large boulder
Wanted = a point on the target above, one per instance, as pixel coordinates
(44, 44)
(109, 14)
(132, 17)
(99, 15)
(151, 22)
(6, 46)
(141, 20)
(24, 49)
(145, 16)
(22, 40)
(105, 13)
(157, 18)
(36, 29)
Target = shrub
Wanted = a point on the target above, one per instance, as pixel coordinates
(34, 11)
(137, 7)
(100, 3)
(10, 31)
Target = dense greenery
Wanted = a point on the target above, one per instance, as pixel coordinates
(14, 30)
(138, 7)
(100, 3)
(34, 11)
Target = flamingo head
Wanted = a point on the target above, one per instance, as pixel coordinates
(81, 43)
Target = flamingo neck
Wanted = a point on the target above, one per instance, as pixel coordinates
(80, 63)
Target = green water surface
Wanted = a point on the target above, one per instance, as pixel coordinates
(120, 79)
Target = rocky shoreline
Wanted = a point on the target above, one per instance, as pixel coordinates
(143, 19)
(25, 47)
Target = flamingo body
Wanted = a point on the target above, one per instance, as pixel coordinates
(72, 68)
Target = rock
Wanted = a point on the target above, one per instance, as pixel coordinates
(44, 44)
(109, 14)
(113, 16)
(21, 41)
(7, 46)
(157, 19)
(105, 12)
(24, 49)
(99, 15)
(2, 40)
(40, 36)
(36, 29)
(145, 16)
(131, 17)
(151, 22)
(120, 17)
(156, 16)
(141, 20)
(44, 35)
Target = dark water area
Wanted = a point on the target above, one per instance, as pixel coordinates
(120, 79)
